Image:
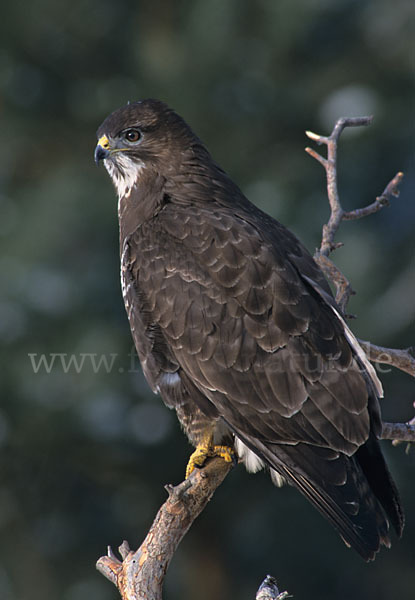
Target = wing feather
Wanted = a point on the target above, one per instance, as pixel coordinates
(244, 325)
(247, 319)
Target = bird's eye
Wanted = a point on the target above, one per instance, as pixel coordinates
(132, 135)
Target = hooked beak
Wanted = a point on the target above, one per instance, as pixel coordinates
(102, 149)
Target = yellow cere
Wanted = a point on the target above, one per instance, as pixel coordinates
(104, 142)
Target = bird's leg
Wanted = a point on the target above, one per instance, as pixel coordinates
(199, 456)
(206, 449)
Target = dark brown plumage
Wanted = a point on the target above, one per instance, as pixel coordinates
(236, 328)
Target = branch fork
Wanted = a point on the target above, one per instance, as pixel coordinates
(141, 573)
(401, 359)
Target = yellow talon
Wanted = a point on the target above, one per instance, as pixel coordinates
(225, 452)
(197, 459)
(204, 451)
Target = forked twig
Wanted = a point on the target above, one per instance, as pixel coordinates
(401, 359)
(330, 165)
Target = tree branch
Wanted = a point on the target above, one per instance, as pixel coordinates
(141, 573)
(330, 165)
(400, 359)
(399, 432)
(383, 200)
(343, 288)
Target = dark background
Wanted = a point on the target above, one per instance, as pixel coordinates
(84, 455)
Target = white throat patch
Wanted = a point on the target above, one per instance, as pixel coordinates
(124, 174)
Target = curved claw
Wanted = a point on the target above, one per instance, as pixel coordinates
(205, 451)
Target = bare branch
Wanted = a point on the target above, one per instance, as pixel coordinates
(141, 573)
(383, 200)
(400, 359)
(315, 154)
(337, 214)
(343, 288)
(399, 432)
(330, 165)
(109, 565)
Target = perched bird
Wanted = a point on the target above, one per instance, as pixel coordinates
(237, 329)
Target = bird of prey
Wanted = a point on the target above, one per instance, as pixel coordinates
(237, 329)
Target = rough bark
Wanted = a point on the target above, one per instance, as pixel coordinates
(141, 573)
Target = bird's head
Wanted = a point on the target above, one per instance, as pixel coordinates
(139, 138)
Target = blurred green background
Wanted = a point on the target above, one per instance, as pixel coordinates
(85, 453)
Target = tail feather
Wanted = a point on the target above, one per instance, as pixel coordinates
(366, 540)
(373, 465)
(356, 494)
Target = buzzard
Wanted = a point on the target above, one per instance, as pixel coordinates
(237, 329)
